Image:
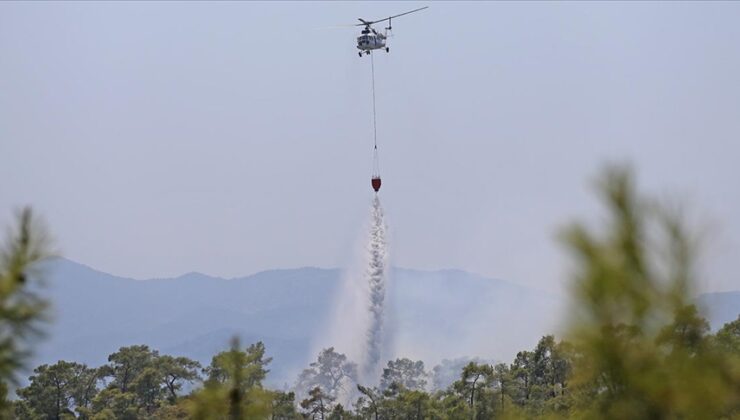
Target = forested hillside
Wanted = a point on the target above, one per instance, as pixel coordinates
(434, 314)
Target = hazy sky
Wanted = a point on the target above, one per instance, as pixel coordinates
(228, 138)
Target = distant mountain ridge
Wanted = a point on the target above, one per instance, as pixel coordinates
(433, 314)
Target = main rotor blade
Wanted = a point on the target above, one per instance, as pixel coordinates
(415, 10)
(364, 23)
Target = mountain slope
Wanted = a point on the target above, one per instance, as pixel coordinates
(431, 315)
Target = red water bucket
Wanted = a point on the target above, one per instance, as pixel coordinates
(375, 182)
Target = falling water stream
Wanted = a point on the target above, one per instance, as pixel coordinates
(375, 276)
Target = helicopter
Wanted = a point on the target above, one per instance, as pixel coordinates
(370, 39)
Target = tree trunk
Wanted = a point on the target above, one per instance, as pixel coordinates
(502, 397)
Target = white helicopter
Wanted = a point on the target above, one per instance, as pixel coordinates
(374, 40)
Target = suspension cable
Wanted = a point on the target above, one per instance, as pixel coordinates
(376, 164)
(375, 127)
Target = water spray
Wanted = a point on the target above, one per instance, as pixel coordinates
(375, 276)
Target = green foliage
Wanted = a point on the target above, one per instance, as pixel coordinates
(332, 372)
(412, 404)
(405, 372)
(521, 372)
(128, 363)
(113, 403)
(318, 404)
(234, 386)
(727, 338)
(471, 387)
(687, 332)
(21, 310)
(60, 388)
(136, 385)
(250, 364)
(140, 384)
(284, 406)
(176, 371)
(172, 412)
(630, 280)
(339, 413)
(226, 402)
(394, 402)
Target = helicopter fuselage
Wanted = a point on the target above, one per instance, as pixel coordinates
(370, 41)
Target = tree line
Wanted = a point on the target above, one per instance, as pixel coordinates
(139, 383)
